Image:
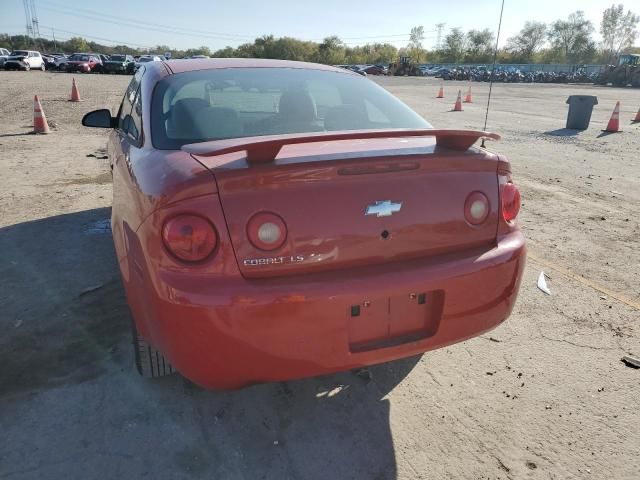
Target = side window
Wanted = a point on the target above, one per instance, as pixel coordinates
(135, 123)
(127, 102)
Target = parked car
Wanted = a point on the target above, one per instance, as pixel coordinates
(103, 59)
(4, 54)
(60, 61)
(275, 220)
(147, 58)
(119, 63)
(24, 60)
(83, 62)
(49, 62)
(374, 70)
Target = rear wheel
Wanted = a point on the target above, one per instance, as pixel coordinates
(27, 67)
(149, 361)
(43, 67)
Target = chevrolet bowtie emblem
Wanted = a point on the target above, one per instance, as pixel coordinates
(383, 208)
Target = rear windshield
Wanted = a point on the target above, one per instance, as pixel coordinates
(215, 104)
(117, 58)
(19, 53)
(79, 58)
(145, 59)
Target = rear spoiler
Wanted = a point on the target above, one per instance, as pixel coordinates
(264, 149)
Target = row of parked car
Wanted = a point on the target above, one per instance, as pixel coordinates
(367, 69)
(77, 62)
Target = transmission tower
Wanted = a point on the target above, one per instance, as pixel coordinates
(27, 15)
(439, 28)
(34, 20)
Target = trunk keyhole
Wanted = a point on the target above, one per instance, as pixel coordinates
(384, 234)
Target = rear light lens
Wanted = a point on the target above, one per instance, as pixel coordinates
(510, 201)
(476, 208)
(189, 238)
(266, 231)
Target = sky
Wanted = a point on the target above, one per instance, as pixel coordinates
(193, 23)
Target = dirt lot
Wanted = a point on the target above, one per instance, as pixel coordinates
(543, 396)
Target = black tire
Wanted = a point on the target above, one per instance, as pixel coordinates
(43, 67)
(149, 361)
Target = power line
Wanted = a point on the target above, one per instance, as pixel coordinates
(139, 24)
(116, 42)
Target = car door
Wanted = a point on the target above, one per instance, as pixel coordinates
(35, 59)
(125, 140)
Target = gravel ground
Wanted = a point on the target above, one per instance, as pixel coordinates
(543, 396)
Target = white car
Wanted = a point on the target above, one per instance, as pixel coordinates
(24, 60)
(147, 58)
(4, 54)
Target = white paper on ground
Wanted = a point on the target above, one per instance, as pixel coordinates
(542, 284)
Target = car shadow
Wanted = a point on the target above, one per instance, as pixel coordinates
(66, 348)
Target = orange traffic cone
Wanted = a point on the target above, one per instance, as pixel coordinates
(614, 122)
(467, 99)
(458, 106)
(40, 124)
(75, 94)
(441, 92)
(637, 117)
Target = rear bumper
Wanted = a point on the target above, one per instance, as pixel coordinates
(227, 334)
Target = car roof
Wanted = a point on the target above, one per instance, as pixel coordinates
(191, 64)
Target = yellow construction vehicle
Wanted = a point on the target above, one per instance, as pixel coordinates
(625, 74)
(403, 67)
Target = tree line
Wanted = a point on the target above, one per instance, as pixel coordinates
(567, 40)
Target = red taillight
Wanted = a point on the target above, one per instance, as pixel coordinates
(510, 201)
(189, 238)
(476, 208)
(266, 231)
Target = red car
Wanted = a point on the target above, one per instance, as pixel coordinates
(83, 63)
(276, 220)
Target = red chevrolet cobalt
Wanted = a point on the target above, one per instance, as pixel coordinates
(276, 220)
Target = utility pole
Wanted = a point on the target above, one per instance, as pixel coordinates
(53, 34)
(439, 28)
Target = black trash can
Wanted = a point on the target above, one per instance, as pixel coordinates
(580, 108)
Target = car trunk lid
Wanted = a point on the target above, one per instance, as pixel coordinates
(356, 202)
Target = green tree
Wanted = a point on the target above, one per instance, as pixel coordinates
(416, 36)
(528, 41)
(618, 30)
(454, 46)
(331, 51)
(77, 44)
(572, 37)
(479, 45)
(198, 51)
(373, 53)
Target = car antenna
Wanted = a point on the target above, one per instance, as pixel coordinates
(493, 72)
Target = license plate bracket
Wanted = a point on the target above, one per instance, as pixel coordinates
(394, 320)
